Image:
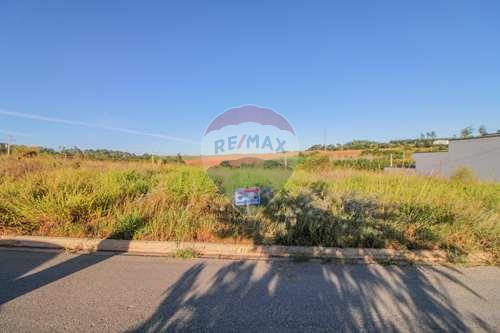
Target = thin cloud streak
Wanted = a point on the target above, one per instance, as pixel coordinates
(14, 133)
(90, 125)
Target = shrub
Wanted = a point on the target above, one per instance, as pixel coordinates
(273, 164)
(127, 226)
(464, 175)
(186, 253)
(314, 162)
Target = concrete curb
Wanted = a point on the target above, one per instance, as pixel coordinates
(214, 250)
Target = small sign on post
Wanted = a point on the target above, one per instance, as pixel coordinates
(247, 196)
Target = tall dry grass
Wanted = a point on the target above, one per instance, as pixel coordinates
(361, 208)
(347, 208)
(45, 196)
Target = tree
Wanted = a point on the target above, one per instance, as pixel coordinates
(466, 132)
(482, 130)
(430, 135)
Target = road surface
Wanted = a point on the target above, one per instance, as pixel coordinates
(52, 291)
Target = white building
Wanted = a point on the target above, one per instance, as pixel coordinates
(480, 154)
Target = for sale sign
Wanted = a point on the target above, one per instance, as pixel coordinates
(247, 196)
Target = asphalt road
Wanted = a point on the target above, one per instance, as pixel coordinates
(50, 292)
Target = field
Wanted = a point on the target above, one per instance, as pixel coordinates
(318, 205)
(210, 161)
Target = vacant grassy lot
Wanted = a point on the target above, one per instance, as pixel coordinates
(329, 207)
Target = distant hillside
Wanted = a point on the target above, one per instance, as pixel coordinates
(374, 145)
(217, 159)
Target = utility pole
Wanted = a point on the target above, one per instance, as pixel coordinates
(391, 160)
(9, 140)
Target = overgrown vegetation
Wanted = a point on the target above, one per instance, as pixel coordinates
(269, 180)
(46, 196)
(319, 205)
(351, 208)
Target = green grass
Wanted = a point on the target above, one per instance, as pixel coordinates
(229, 179)
(351, 208)
(186, 254)
(316, 206)
(131, 201)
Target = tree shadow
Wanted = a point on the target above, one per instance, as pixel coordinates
(283, 296)
(20, 277)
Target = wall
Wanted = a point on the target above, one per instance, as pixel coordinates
(431, 164)
(481, 155)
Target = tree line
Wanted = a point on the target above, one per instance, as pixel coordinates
(426, 140)
(91, 154)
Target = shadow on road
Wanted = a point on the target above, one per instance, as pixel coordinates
(26, 276)
(311, 297)
(278, 295)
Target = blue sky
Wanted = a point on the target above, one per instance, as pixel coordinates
(359, 69)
